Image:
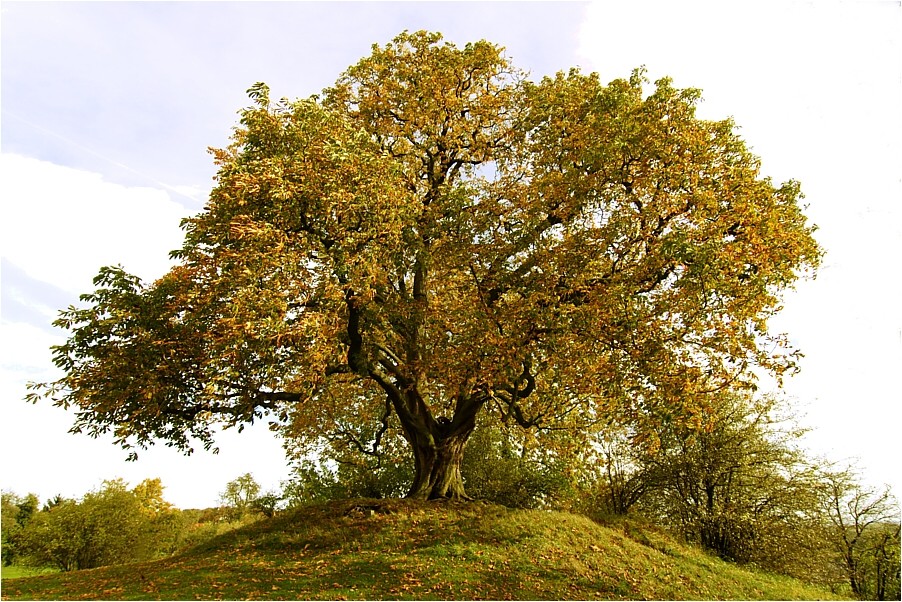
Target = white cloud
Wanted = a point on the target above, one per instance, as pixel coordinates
(60, 225)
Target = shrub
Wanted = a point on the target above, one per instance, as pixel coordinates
(109, 526)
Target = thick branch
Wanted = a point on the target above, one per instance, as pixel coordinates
(351, 437)
(271, 396)
(514, 409)
(510, 395)
(356, 360)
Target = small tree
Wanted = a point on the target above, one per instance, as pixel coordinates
(167, 523)
(886, 560)
(240, 494)
(740, 485)
(865, 534)
(359, 458)
(268, 503)
(57, 538)
(309, 482)
(614, 477)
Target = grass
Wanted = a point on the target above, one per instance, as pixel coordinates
(399, 549)
(14, 572)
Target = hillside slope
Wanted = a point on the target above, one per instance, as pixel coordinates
(397, 549)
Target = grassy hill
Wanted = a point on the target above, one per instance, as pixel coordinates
(398, 549)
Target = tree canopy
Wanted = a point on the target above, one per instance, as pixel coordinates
(435, 237)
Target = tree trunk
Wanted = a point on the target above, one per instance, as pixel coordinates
(437, 462)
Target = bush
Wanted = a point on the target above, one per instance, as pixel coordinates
(16, 513)
(737, 482)
(366, 477)
(109, 526)
(500, 467)
(359, 462)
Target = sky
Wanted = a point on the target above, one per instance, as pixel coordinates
(108, 110)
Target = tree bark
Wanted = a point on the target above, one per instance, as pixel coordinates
(438, 449)
(437, 466)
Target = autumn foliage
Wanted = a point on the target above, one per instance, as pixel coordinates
(436, 238)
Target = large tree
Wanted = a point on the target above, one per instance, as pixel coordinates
(437, 236)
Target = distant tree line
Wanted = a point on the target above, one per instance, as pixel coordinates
(111, 525)
(116, 524)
